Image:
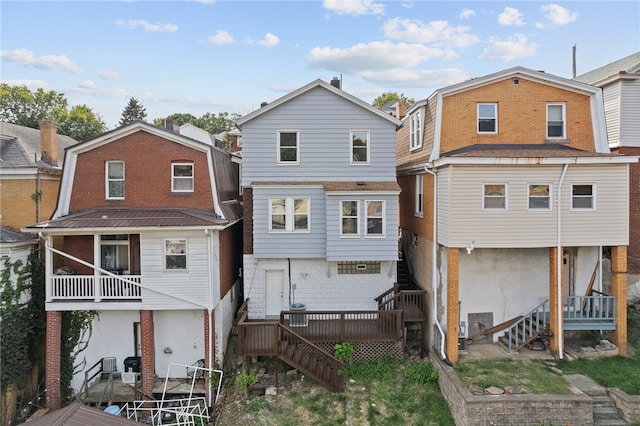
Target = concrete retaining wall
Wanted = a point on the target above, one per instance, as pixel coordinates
(628, 404)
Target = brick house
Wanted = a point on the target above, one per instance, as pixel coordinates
(510, 195)
(146, 233)
(620, 83)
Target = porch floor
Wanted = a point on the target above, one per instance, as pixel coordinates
(481, 351)
(100, 392)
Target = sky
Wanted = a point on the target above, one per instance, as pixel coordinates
(214, 56)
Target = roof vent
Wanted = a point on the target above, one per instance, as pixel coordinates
(516, 81)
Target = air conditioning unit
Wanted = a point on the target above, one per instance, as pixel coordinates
(109, 365)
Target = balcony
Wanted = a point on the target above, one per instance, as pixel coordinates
(94, 288)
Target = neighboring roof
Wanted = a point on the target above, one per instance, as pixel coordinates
(20, 146)
(10, 236)
(308, 87)
(132, 218)
(77, 414)
(626, 65)
(528, 154)
(227, 179)
(361, 186)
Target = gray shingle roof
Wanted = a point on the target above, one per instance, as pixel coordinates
(21, 146)
(629, 64)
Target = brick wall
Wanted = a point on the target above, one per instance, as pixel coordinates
(523, 409)
(52, 363)
(80, 246)
(521, 115)
(633, 253)
(148, 160)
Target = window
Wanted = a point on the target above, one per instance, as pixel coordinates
(539, 197)
(375, 218)
(182, 177)
(359, 267)
(415, 131)
(582, 197)
(349, 220)
(115, 180)
(359, 147)
(495, 197)
(114, 253)
(288, 214)
(556, 121)
(419, 195)
(175, 254)
(288, 152)
(487, 118)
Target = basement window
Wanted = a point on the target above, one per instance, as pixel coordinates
(358, 267)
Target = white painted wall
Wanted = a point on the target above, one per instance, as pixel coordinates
(224, 316)
(183, 333)
(318, 285)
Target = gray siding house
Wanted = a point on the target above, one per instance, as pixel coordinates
(321, 202)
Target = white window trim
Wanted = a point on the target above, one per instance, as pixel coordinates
(288, 163)
(564, 121)
(108, 180)
(289, 215)
(174, 177)
(384, 219)
(540, 209)
(419, 210)
(165, 254)
(359, 163)
(593, 197)
(506, 198)
(415, 131)
(124, 243)
(495, 109)
(357, 233)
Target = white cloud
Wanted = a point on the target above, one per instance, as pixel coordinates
(47, 62)
(88, 84)
(466, 14)
(31, 84)
(505, 50)
(438, 33)
(110, 75)
(510, 16)
(147, 26)
(269, 40)
(221, 37)
(558, 15)
(417, 78)
(353, 7)
(374, 56)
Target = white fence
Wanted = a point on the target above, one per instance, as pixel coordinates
(104, 287)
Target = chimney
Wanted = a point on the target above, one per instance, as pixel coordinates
(49, 142)
(401, 109)
(172, 125)
(263, 104)
(335, 82)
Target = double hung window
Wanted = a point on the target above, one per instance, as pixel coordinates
(495, 196)
(583, 197)
(288, 147)
(349, 218)
(375, 218)
(415, 131)
(182, 177)
(488, 118)
(115, 180)
(556, 120)
(419, 195)
(539, 197)
(289, 214)
(360, 147)
(175, 254)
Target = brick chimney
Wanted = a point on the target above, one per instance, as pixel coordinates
(401, 109)
(49, 142)
(335, 82)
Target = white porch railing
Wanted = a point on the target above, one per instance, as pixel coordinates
(105, 287)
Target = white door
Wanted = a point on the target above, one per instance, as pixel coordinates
(273, 293)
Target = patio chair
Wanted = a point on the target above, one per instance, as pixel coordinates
(196, 369)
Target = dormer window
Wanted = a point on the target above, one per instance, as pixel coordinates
(182, 177)
(415, 131)
(556, 121)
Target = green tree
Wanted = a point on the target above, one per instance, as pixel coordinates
(19, 105)
(391, 96)
(212, 123)
(132, 112)
(81, 123)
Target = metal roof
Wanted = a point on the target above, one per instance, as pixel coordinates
(77, 414)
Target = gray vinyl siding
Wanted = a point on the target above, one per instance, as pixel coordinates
(324, 121)
(630, 114)
(310, 244)
(519, 227)
(362, 247)
(611, 96)
(188, 286)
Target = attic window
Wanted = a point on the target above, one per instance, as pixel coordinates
(516, 81)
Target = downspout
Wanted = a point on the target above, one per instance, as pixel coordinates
(559, 264)
(434, 258)
(210, 313)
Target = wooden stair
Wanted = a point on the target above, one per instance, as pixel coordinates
(526, 329)
(311, 360)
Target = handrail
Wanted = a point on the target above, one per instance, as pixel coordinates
(87, 379)
(585, 308)
(516, 334)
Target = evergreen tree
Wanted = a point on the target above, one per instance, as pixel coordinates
(132, 112)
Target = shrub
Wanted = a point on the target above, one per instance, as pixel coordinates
(343, 351)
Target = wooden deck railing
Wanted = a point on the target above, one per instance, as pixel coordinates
(412, 303)
(596, 312)
(105, 287)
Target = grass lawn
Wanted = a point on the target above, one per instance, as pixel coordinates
(389, 392)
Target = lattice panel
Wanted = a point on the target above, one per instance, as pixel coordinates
(369, 351)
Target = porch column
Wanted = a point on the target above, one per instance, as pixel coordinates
(148, 360)
(453, 297)
(52, 362)
(554, 343)
(619, 290)
(207, 378)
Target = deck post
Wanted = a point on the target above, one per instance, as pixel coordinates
(53, 348)
(554, 344)
(148, 360)
(619, 290)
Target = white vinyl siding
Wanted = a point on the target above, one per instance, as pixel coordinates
(630, 111)
(461, 218)
(612, 96)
